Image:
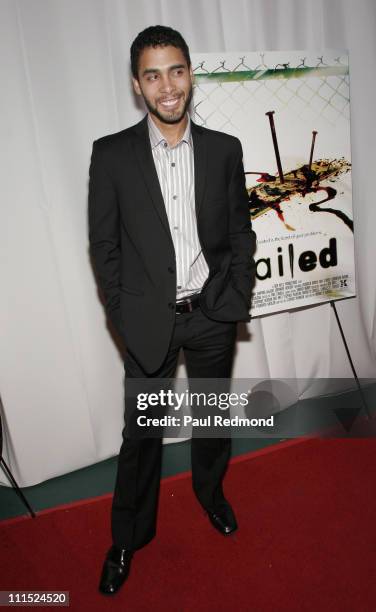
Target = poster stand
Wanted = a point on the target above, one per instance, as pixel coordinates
(333, 305)
(10, 476)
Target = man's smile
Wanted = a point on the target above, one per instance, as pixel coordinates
(170, 103)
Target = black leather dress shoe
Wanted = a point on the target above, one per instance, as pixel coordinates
(115, 570)
(223, 519)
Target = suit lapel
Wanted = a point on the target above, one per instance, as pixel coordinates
(145, 159)
(201, 160)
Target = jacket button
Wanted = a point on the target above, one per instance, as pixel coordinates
(170, 269)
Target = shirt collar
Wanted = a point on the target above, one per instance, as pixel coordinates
(156, 136)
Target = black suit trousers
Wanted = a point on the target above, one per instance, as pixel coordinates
(208, 347)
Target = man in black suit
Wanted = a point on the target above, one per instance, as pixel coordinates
(172, 245)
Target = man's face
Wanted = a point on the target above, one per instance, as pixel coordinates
(165, 82)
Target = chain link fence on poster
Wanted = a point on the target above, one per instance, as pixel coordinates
(299, 180)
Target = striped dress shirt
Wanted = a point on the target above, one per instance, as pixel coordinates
(175, 169)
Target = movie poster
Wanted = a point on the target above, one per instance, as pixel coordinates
(291, 112)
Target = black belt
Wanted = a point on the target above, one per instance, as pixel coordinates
(188, 304)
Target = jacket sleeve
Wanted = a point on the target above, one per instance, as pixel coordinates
(242, 237)
(104, 233)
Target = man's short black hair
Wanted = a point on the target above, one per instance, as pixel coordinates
(157, 36)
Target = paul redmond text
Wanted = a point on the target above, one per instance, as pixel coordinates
(208, 421)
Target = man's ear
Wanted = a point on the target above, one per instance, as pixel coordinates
(136, 86)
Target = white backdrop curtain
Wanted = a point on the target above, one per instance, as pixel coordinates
(64, 82)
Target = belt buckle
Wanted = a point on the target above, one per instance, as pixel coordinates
(187, 305)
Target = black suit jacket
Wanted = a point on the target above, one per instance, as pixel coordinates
(131, 243)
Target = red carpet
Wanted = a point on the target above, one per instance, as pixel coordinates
(306, 540)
